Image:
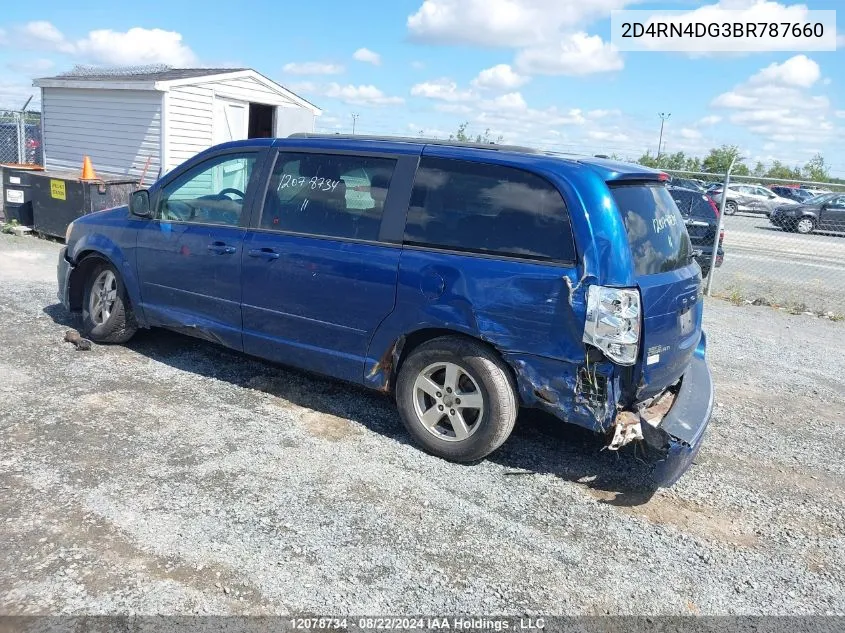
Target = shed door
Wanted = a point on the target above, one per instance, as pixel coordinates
(231, 120)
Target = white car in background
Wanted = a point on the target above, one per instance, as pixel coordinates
(749, 198)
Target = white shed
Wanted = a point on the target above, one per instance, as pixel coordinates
(158, 118)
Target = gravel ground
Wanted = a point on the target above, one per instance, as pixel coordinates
(172, 476)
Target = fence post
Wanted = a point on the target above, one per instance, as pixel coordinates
(719, 226)
(21, 130)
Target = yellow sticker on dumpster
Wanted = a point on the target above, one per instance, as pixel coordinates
(57, 189)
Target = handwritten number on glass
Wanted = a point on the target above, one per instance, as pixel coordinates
(314, 183)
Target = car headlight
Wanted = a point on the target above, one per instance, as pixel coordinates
(68, 232)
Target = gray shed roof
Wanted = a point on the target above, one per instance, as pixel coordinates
(94, 74)
(159, 78)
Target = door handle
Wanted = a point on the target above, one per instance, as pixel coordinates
(221, 248)
(266, 253)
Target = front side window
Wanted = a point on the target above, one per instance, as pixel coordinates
(487, 208)
(213, 192)
(328, 195)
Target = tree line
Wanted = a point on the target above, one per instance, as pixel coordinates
(716, 162)
(719, 158)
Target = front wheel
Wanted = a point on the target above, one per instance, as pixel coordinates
(106, 315)
(456, 399)
(805, 225)
(731, 208)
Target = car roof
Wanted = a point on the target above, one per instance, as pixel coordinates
(607, 169)
(695, 192)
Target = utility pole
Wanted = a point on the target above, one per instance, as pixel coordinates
(354, 121)
(663, 117)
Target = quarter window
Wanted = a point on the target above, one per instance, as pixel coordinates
(486, 208)
(328, 195)
(213, 192)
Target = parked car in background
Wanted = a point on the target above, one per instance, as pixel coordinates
(687, 183)
(465, 280)
(825, 212)
(816, 191)
(701, 216)
(796, 194)
(749, 198)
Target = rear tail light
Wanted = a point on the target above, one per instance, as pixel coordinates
(714, 206)
(613, 322)
(721, 236)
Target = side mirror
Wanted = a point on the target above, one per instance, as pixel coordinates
(139, 204)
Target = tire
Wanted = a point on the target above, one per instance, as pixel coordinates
(705, 272)
(805, 225)
(119, 325)
(481, 377)
(731, 208)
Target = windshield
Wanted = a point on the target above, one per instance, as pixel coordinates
(656, 231)
(820, 199)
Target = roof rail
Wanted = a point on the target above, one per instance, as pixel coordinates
(421, 141)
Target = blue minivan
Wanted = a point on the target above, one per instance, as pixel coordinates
(465, 280)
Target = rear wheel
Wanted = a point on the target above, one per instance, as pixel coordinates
(456, 399)
(731, 207)
(106, 315)
(805, 225)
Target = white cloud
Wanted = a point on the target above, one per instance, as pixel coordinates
(795, 71)
(603, 135)
(576, 54)
(136, 46)
(360, 95)
(442, 89)
(711, 119)
(417, 65)
(14, 94)
(453, 108)
(367, 56)
(776, 102)
(499, 77)
(364, 95)
(690, 133)
(312, 68)
(511, 102)
(30, 66)
(509, 23)
(547, 33)
(44, 34)
(840, 114)
(601, 114)
(105, 46)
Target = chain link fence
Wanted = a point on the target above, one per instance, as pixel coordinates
(20, 142)
(20, 137)
(782, 242)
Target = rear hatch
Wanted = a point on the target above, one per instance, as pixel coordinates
(668, 279)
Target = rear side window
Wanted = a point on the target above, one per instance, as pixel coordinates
(692, 204)
(476, 207)
(328, 195)
(656, 231)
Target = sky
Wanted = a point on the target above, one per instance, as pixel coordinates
(536, 72)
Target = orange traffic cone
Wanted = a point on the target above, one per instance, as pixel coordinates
(88, 172)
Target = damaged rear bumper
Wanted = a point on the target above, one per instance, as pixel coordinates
(680, 433)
